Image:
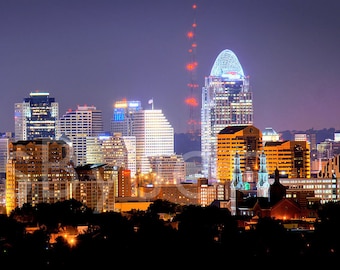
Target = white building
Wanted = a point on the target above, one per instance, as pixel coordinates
(130, 144)
(269, 135)
(77, 125)
(154, 137)
(226, 101)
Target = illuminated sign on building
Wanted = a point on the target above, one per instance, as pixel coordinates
(119, 115)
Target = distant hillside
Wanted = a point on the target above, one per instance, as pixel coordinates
(321, 135)
(185, 143)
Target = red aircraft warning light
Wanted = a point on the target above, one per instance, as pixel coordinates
(192, 101)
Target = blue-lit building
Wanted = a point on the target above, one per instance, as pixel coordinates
(123, 115)
(226, 101)
(36, 117)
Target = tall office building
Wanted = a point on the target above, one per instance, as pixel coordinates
(77, 125)
(130, 144)
(38, 171)
(95, 186)
(154, 137)
(36, 117)
(291, 158)
(4, 154)
(149, 140)
(123, 115)
(168, 169)
(244, 142)
(110, 150)
(113, 152)
(226, 101)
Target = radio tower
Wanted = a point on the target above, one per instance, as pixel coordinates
(191, 67)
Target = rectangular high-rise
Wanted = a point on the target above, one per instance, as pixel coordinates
(36, 117)
(38, 171)
(123, 115)
(77, 125)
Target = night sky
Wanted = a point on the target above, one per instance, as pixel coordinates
(100, 51)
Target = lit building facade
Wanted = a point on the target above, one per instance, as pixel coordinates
(291, 158)
(330, 168)
(130, 144)
(149, 142)
(270, 135)
(115, 150)
(123, 185)
(95, 186)
(168, 169)
(327, 149)
(243, 144)
(324, 189)
(226, 101)
(110, 150)
(201, 193)
(123, 115)
(36, 117)
(4, 154)
(154, 137)
(77, 125)
(38, 171)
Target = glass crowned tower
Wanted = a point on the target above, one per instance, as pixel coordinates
(226, 101)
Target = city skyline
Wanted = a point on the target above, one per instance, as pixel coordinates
(99, 52)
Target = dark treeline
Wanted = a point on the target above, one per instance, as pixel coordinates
(141, 237)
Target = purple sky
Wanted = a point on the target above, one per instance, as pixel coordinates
(99, 51)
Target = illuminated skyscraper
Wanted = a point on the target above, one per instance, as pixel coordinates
(36, 117)
(121, 125)
(38, 171)
(291, 158)
(246, 142)
(123, 114)
(106, 149)
(226, 101)
(77, 125)
(154, 137)
(149, 140)
(4, 152)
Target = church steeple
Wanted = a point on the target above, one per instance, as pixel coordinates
(236, 185)
(263, 183)
(237, 182)
(277, 190)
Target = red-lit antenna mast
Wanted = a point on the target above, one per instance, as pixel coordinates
(191, 101)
